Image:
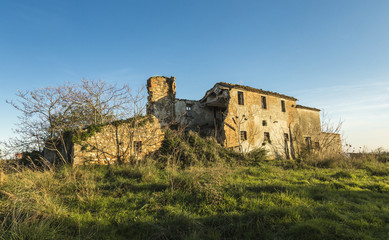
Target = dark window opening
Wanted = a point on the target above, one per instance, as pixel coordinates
(263, 101)
(266, 137)
(286, 147)
(308, 142)
(138, 146)
(188, 110)
(286, 137)
(240, 98)
(283, 106)
(264, 123)
(243, 135)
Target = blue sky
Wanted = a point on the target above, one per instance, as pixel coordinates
(331, 55)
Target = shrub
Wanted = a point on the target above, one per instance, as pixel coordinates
(185, 149)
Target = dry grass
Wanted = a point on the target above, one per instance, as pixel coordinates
(320, 197)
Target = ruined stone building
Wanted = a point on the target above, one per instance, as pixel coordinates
(239, 117)
(243, 118)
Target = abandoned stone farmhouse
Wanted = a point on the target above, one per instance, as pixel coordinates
(243, 118)
(239, 117)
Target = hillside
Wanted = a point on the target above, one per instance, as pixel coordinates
(232, 196)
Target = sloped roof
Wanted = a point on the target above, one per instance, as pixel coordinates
(251, 89)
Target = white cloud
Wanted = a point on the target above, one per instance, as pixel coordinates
(364, 108)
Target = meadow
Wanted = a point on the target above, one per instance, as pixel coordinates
(205, 192)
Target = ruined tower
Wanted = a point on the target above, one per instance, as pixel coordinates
(161, 99)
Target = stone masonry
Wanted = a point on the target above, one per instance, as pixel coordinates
(244, 118)
(239, 117)
(122, 142)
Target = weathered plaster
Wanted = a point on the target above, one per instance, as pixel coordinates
(218, 114)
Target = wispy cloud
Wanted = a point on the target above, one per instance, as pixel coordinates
(363, 107)
(350, 87)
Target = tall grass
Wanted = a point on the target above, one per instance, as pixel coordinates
(233, 196)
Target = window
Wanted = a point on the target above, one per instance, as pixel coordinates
(263, 101)
(266, 137)
(188, 110)
(243, 135)
(286, 147)
(138, 146)
(264, 123)
(240, 98)
(308, 142)
(283, 106)
(286, 137)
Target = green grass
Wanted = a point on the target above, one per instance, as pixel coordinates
(145, 202)
(267, 199)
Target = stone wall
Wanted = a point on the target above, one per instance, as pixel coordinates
(282, 127)
(193, 115)
(330, 143)
(128, 141)
(255, 120)
(308, 128)
(161, 99)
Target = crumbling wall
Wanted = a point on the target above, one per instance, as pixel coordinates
(225, 112)
(193, 114)
(123, 142)
(161, 99)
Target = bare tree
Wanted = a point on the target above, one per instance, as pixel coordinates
(123, 133)
(239, 120)
(42, 113)
(330, 136)
(325, 141)
(246, 137)
(50, 114)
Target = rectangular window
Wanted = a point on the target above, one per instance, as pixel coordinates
(264, 123)
(266, 137)
(188, 107)
(308, 142)
(138, 146)
(240, 98)
(243, 135)
(286, 145)
(263, 102)
(283, 106)
(286, 137)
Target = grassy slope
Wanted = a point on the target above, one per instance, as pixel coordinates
(272, 200)
(267, 202)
